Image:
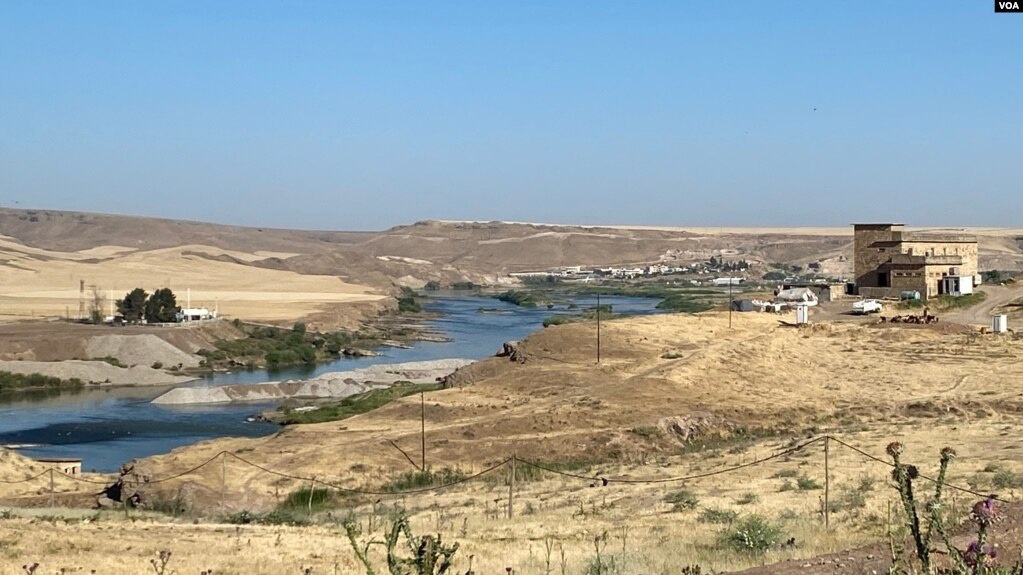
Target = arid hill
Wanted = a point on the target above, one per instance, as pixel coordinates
(687, 378)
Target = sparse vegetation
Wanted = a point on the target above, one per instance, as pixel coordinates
(747, 498)
(407, 302)
(35, 381)
(274, 347)
(353, 404)
(1006, 479)
(519, 298)
(646, 430)
(805, 483)
(420, 479)
(717, 516)
(682, 500)
(683, 303)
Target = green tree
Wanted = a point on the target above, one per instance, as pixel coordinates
(162, 306)
(133, 306)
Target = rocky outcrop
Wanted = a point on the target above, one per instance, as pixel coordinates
(329, 385)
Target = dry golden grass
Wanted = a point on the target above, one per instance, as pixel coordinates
(761, 375)
(642, 530)
(45, 283)
(927, 387)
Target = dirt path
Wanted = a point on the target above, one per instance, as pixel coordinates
(980, 314)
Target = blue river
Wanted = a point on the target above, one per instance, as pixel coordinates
(110, 426)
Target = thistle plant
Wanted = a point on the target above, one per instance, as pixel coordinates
(904, 476)
(979, 556)
(427, 554)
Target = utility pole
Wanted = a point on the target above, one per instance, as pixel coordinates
(729, 303)
(598, 328)
(422, 422)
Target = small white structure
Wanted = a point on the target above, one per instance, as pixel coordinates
(728, 281)
(67, 466)
(797, 296)
(956, 285)
(802, 314)
(1000, 323)
(195, 314)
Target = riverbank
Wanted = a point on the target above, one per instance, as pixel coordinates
(95, 373)
(333, 385)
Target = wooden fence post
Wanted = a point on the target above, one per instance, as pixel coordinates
(511, 489)
(51, 488)
(223, 480)
(827, 485)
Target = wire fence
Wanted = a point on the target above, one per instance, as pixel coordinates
(593, 479)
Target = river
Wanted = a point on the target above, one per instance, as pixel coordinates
(109, 426)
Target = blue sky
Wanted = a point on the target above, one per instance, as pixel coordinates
(341, 115)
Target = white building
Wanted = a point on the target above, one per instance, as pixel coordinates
(195, 314)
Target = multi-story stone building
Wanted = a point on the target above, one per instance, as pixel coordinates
(889, 260)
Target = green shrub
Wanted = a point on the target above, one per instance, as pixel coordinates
(1005, 479)
(21, 381)
(685, 303)
(559, 320)
(519, 298)
(717, 516)
(646, 430)
(681, 500)
(747, 498)
(420, 479)
(299, 500)
(157, 365)
(752, 534)
(807, 483)
(358, 403)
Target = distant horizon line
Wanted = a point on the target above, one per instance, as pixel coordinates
(719, 229)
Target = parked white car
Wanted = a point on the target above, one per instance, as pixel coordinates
(865, 306)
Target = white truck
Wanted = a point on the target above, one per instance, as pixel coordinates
(865, 306)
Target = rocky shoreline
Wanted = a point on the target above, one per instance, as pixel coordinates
(333, 385)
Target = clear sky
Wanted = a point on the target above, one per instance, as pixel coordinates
(344, 115)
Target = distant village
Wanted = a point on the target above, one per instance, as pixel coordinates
(713, 266)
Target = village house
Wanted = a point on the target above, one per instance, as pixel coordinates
(890, 261)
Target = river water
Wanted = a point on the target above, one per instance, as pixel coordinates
(109, 426)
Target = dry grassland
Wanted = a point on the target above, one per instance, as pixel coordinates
(660, 377)
(644, 535)
(45, 283)
(689, 378)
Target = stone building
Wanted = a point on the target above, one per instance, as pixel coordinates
(889, 260)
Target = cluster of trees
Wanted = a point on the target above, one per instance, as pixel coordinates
(161, 307)
(726, 266)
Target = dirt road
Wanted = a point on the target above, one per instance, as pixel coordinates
(997, 296)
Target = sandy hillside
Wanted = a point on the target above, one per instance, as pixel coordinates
(688, 376)
(24, 477)
(44, 283)
(484, 252)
